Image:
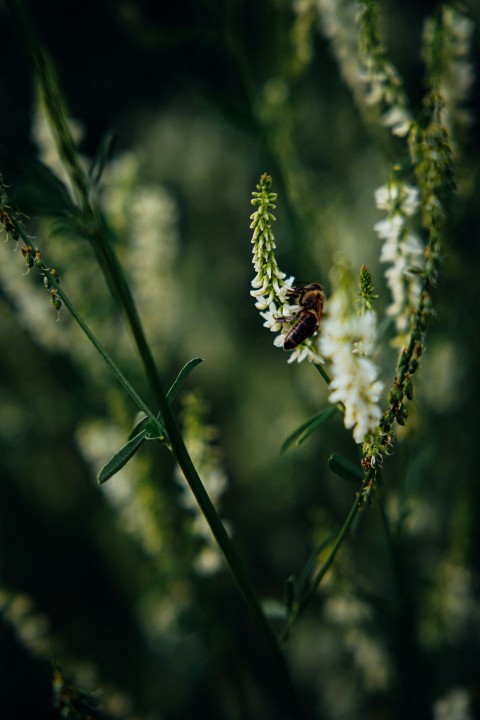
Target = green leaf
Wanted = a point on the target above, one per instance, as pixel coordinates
(102, 156)
(145, 429)
(141, 425)
(121, 457)
(154, 429)
(308, 427)
(181, 377)
(345, 468)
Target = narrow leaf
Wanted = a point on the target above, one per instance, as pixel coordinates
(181, 377)
(138, 427)
(102, 156)
(345, 468)
(153, 429)
(121, 457)
(306, 429)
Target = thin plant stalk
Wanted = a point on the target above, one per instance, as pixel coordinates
(99, 236)
(303, 602)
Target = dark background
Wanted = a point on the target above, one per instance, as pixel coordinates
(182, 84)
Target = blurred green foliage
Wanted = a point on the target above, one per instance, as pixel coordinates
(203, 97)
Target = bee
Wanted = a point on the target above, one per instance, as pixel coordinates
(311, 299)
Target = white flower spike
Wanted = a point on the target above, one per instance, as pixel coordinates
(347, 340)
(272, 290)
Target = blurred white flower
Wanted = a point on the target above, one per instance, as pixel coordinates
(398, 119)
(402, 250)
(145, 215)
(398, 197)
(354, 618)
(347, 340)
(455, 705)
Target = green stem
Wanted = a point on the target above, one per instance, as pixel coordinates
(323, 373)
(99, 236)
(99, 347)
(303, 602)
(392, 547)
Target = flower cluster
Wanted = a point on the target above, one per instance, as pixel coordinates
(347, 340)
(31, 627)
(145, 216)
(271, 287)
(402, 250)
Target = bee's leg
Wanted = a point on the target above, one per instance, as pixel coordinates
(294, 292)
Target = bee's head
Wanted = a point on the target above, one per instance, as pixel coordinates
(312, 287)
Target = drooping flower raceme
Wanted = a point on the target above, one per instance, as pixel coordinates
(347, 340)
(270, 285)
(402, 250)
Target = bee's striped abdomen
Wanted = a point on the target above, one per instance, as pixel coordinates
(306, 325)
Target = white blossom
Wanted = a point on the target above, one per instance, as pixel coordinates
(402, 250)
(347, 340)
(454, 705)
(398, 119)
(271, 287)
(398, 197)
(147, 216)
